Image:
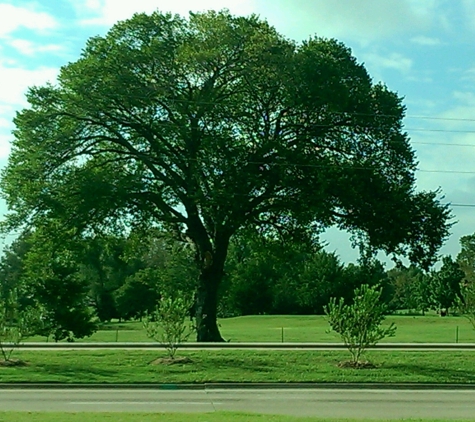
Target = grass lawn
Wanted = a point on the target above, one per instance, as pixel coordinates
(147, 417)
(115, 366)
(430, 329)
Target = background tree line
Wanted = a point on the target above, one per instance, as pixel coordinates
(81, 283)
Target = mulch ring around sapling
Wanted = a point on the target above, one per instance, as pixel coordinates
(13, 363)
(357, 365)
(169, 361)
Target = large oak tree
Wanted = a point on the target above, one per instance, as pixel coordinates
(214, 123)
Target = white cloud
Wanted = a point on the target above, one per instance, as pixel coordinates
(469, 12)
(362, 20)
(423, 106)
(377, 62)
(465, 97)
(461, 115)
(91, 4)
(108, 12)
(468, 74)
(423, 79)
(16, 80)
(4, 145)
(4, 123)
(6, 109)
(14, 17)
(29, 48)
(426, 41)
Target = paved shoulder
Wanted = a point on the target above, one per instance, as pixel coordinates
(385, 404)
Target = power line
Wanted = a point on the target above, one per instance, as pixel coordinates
(461, 205)
(451, 119)
(344, 113)
(446, 171)
(351, 113)
(198, 102)
(262, 163)
(376, 116)
(439, 130)
(443, 144)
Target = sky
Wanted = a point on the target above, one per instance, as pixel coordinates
(422, 49)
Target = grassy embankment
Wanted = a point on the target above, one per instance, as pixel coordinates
(431, 329)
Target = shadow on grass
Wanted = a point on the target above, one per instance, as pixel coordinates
(248, 364)
(118, 327)
(434, 374)
(75, 373)
(217, 363)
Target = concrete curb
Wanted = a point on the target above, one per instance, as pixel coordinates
(249, 346)
(244, 385)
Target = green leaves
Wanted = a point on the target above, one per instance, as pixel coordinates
(411, 289)
(168, 323)
(359, 324)
(17, 323)
(51, 275)
(466, 302)
(445, 284)
(222, 117)
(466, 261)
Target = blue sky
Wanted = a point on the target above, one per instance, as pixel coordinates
(423, 49)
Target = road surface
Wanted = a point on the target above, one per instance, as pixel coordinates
(325, 403)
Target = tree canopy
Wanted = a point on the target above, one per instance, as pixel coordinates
(445, 284)
(215, 123)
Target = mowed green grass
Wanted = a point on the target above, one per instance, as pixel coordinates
(134, 366)
(419, 329)
(162, 417)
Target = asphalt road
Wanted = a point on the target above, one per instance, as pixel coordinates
(325, 403)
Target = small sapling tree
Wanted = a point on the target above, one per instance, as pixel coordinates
(16, 325)
(359, 324)
(170, 323)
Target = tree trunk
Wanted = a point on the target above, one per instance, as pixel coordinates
(206, 304)
(206, 299)
(211, 255)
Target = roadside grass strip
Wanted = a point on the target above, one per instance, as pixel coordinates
(234, 366)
